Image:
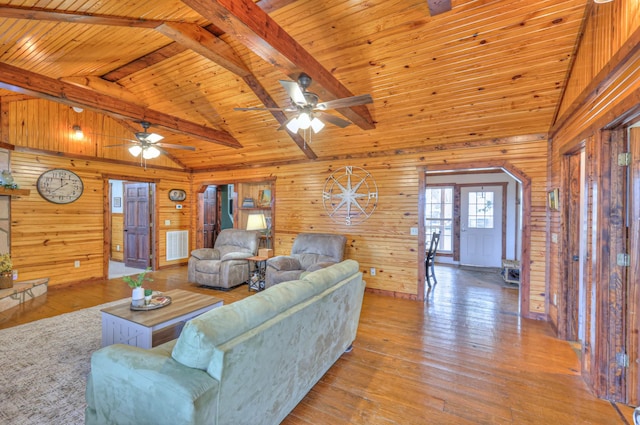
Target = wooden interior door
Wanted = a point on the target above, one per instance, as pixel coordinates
(210, 209)
(136, 225)
(574, 291)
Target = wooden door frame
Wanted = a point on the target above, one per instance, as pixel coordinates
(605, 283)
(106, 205)
(633, 276)
(199, 191)
(525, 257)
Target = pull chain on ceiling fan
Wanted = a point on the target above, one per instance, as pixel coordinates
(309, 113)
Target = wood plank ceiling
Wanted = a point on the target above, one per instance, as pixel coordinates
(482, 70)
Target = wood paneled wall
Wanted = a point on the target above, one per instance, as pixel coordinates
(606, 31)
(43, 125)
(117, 237)
(48, 238)
(383, 241)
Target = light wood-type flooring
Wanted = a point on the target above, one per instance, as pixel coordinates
(462, 357)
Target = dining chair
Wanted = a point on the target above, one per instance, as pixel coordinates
(430, 259)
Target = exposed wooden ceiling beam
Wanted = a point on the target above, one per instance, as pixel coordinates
(100, 85)
(208, 45)
(27, 82)
(157, 56)
(204, 43)
(39, 14)
(249, 24)
(437, 7)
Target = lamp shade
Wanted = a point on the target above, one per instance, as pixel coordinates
(256, 222)
(304, 121)
(135, 150)
(293, 125)
(150, 152)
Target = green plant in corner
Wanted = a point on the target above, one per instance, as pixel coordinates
(137, 281)
(6, 266)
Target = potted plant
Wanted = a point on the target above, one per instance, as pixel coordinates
(6, 271)
(135, 283)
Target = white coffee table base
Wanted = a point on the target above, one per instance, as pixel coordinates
(120, 331)
(126, 330)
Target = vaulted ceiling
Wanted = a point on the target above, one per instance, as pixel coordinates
(483, 70)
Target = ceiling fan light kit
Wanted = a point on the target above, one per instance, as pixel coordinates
(304, 103)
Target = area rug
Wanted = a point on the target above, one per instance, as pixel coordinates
(44, 367)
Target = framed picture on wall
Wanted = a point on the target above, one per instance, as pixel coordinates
(554, 199)
(117, 202)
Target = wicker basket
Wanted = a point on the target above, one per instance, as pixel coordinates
(6, 280)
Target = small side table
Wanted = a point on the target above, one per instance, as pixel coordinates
(256, 277)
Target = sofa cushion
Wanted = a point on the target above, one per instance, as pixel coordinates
(324, 278)
(201, 335)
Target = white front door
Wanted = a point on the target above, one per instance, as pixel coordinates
(481, 226)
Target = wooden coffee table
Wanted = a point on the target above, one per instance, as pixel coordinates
(146, 329)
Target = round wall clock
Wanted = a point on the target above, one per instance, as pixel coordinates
(350, 195)
(60, 186)
(177, 195)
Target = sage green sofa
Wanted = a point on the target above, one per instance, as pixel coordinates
(249, 362)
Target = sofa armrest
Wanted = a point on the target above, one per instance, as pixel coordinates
(206, 254)
(236, 256)
(284, 263)
(147, 386)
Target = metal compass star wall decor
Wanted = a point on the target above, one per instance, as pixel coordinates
(350, 195)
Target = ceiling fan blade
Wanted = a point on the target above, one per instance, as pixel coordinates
(265, 109)
(122, 144)
(294, 92)
(332, 119)
(172, 146)
(346, 102)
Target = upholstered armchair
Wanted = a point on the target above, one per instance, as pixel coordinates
(225, 265)
(310, 252)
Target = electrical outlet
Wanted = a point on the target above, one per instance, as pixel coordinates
(414, 231)
(118, 248)
(15, 274)
(372, 271)
(167, 222)
(76, 263)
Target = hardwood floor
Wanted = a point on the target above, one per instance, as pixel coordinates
(462, 357)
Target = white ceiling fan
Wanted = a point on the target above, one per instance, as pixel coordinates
(148, 144)
(308, 112)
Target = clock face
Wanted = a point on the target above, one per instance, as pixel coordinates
(350, 195)
(60, 186)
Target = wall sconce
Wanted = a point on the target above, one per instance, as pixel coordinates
(77, 109)
(78, 132)
(602, 1)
